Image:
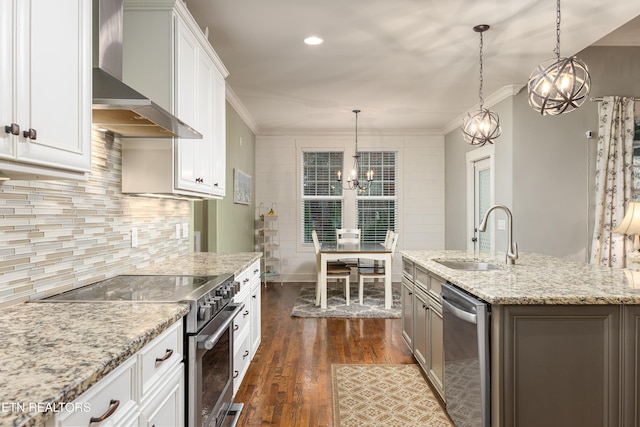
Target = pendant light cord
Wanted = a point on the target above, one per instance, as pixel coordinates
(557, 49)
(481, 78)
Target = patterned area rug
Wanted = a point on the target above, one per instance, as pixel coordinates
(384, 395)
(372, 303)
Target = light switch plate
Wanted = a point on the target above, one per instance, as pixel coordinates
(185, 229)
(134, 237)
(502, 224)
(177, 235)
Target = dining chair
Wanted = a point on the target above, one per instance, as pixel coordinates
(386, 244)
(376, 272)
(348, 236)
(334, 271)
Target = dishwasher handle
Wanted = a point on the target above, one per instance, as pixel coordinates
(459, 313)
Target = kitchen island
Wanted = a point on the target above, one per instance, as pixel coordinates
(52, 353)
(564, 337)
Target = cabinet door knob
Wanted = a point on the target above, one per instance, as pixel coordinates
(215, 185)
(13, 129)
(31, 134)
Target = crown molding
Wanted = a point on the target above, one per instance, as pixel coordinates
(348, 133)
(240, 109)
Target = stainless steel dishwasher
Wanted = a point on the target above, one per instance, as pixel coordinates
(467, 362)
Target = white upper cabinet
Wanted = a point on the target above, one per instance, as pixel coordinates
(45, 73)
(168, 58)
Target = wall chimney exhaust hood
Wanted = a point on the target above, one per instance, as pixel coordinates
(117, 107)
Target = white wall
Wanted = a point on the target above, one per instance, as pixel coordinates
(420, 193)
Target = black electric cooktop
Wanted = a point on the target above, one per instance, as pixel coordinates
(142, 288)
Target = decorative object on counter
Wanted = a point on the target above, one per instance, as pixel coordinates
(353, 179)
(241, 187)
(389, 395)
(614, 179)
(269, 241)
(372, 307)
(559, 85)
(483, 125)
(630, 226)
(512, 247)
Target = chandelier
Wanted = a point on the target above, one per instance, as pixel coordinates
(558, 85)
(353, 182)
(483, 125)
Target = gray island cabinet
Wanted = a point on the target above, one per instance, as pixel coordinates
(564, 336)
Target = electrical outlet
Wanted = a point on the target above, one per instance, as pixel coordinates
(134, 237)
(185, 230)
(502, 224)
(177, 235)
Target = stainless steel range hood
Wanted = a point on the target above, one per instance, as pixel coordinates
(117, 107)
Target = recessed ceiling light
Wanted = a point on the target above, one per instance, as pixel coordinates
(313, 40)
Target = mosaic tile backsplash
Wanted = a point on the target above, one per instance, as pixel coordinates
(57, 235)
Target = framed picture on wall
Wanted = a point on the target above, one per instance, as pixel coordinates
(241, 187)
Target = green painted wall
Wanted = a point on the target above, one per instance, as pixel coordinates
(226, 226)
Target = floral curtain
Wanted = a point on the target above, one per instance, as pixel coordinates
(614, 174)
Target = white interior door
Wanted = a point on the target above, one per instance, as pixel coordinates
(480, 197)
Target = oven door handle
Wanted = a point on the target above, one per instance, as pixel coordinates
(211, 340)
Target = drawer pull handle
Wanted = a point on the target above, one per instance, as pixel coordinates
(167, 355)
(257, 270)
(235, 374)
(236, 327)
(246, 313)
(246, 353)
(113, 405)
(245, 280)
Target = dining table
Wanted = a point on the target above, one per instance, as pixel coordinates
(332, 251)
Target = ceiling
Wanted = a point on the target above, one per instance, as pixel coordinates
(407, 64)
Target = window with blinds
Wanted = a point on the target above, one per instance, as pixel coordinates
(377, 207)
(321, 196)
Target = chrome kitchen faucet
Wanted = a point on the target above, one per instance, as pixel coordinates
(512, 249)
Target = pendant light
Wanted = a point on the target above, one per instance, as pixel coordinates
(353, 183)
(559, 85)
(483, 125)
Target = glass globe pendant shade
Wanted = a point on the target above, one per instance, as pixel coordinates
(481, 127)
(559, 85)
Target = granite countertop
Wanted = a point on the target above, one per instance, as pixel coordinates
(204, 263)
(51, 353)
(535, 279)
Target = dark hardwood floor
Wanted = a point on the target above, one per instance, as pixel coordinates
(289, 380)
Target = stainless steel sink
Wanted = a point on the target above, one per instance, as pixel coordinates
(467, 265)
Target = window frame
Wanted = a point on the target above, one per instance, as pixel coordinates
(366, 197)
(304, 198)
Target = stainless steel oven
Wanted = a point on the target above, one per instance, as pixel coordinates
(210, 371)
(208, 334)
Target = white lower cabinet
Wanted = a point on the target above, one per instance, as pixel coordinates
(113, 400)
(146, 390)
(256, 300)
(165, 408)
(246, 326)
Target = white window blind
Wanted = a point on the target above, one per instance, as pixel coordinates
(321, 196)
(377, 207)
